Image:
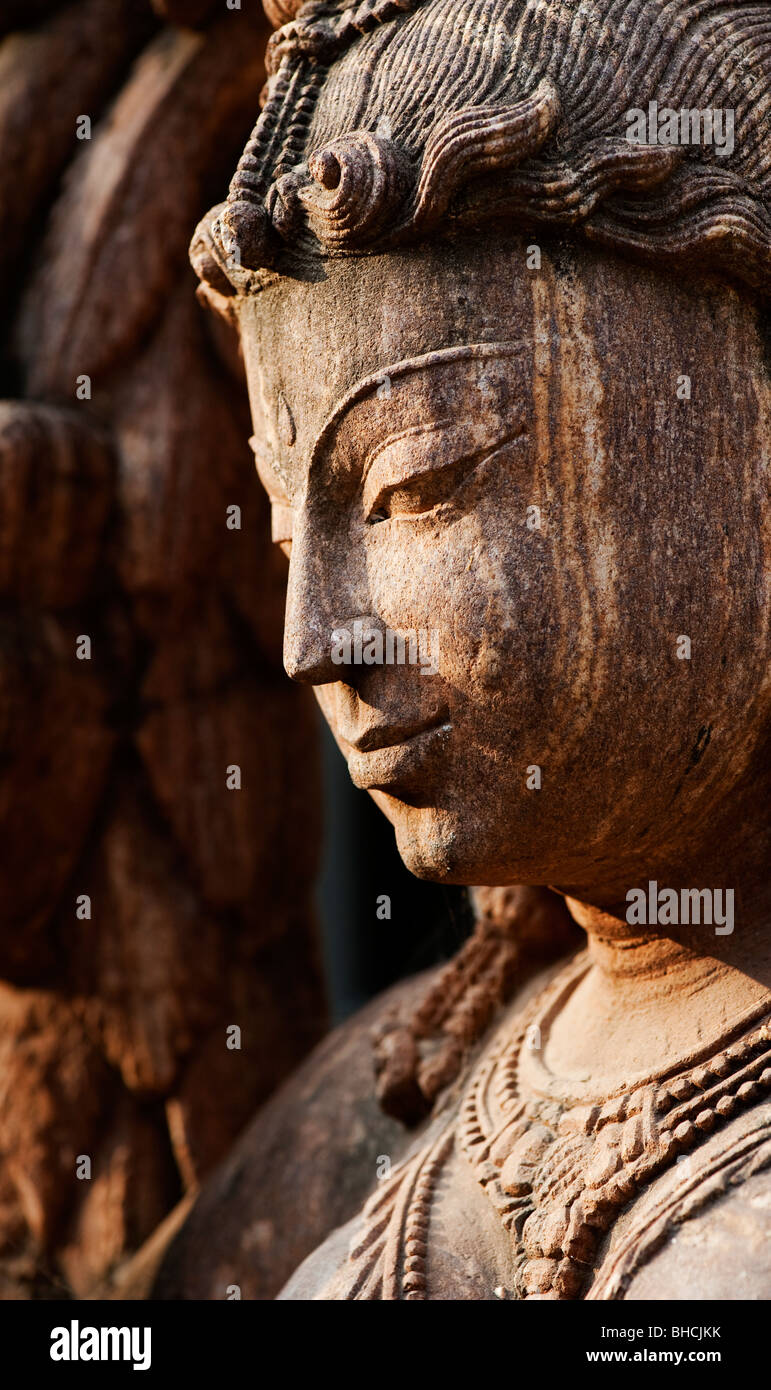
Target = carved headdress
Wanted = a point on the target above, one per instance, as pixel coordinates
(389, 119)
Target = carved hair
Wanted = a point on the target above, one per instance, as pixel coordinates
(388, 119)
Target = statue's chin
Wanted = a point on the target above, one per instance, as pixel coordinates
(434, 846)
(443, 847)
(427, 841)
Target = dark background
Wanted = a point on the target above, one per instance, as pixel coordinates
(362, 954)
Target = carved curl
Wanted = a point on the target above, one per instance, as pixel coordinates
(345, 193)
(477, 141)
(493, 108)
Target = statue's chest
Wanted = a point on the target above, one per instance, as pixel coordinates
(516, 1195)
(558, 1175)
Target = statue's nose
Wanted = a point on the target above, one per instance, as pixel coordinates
(321, 604)
(308, 654)
(330, 653)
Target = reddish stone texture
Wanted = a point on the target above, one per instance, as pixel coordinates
(113, 1027)
(518, 306)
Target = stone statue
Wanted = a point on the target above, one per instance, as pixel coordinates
(499, 272)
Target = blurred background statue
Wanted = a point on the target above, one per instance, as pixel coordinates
(148, 902)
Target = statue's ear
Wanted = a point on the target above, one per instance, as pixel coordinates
(206, 256)
(231, 241)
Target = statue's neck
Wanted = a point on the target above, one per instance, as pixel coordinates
(657, 992)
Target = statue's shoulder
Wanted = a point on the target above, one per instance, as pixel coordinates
(302, 1167)
(293, 1191)
(702, 1230)
(382, 1253)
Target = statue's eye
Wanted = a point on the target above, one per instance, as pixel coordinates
(423, 491)
(421, 467)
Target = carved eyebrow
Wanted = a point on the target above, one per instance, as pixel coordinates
(439, 357)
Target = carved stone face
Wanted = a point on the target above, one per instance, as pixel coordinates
(554, 478)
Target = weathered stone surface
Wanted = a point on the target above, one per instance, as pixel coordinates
(281, 11)
(302, 1167)
(722, 1251)
(478, 416)
(553, 461)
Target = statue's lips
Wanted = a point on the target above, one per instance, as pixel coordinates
(404, 759)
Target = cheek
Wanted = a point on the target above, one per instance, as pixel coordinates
(501, 588)
(457, 571)
(439, 575)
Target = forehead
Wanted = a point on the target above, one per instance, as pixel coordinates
(308, 344)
